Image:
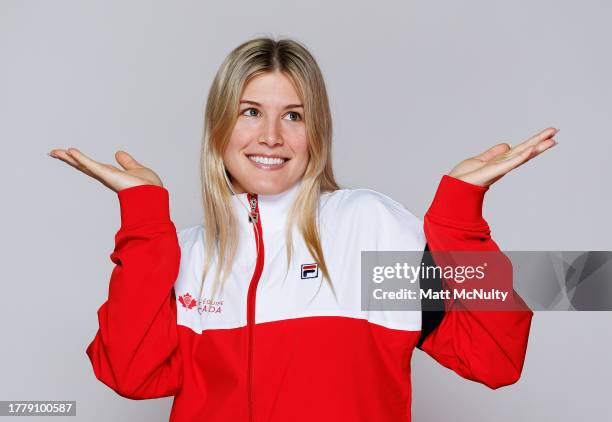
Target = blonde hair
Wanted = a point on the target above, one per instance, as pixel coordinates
(248, 60)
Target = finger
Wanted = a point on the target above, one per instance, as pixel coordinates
(499, 169)
(534, 140)
(544, 145)
(92, 166)
(64, 156)
(127, 161)
(100, 172)
(536, 150)
(519, 158)
(493, 152)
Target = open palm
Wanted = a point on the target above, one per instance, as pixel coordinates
(489, 166)
(132, 174)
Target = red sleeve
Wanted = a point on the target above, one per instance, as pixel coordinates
(135, 351)
(484, 346)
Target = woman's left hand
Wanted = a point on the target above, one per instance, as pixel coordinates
(488, 167)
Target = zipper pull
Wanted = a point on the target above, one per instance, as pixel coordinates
(253, 215)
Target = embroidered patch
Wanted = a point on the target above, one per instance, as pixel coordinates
(203, 306)
(310, 271)
(187, 301)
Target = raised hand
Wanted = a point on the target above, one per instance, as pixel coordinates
(133, 173)
(488, 167)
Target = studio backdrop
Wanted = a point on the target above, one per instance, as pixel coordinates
(414, 88)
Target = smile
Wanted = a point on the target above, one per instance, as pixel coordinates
(268, 163)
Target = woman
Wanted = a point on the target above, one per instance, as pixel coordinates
(256, 314)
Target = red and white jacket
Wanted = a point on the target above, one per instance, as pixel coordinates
(264, 351)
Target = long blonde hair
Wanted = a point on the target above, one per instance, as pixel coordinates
(248, 60)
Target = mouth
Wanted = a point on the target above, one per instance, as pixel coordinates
(268, 162)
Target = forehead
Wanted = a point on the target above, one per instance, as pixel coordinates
(271, 89)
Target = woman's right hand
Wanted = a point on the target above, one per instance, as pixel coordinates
(133, 173)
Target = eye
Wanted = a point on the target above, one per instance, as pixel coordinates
(297, 115)
(248, 109)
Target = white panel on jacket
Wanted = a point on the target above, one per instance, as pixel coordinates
(355, 220)
(351, 220)
(227, 310)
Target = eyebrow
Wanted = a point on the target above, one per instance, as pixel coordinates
(257, 104)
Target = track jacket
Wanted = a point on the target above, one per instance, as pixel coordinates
(261, 351)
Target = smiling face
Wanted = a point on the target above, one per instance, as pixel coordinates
(268, 149)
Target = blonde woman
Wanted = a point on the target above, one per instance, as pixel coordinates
(254, 315)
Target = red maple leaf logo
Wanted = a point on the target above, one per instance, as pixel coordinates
(187, 301)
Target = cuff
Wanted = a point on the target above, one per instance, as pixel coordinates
(459, 201)
(144, 203)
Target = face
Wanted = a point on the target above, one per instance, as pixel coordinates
(268, 151)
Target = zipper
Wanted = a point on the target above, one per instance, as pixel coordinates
(252, 292)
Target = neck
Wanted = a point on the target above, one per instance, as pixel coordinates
(273, 209)
(239, 190)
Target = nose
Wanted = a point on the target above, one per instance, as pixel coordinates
(271, 134)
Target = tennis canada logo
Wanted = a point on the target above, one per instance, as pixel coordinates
(210, 306)
(310, 271)
(205, 305)
(187, 301)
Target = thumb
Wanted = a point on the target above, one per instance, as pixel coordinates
(127, 161)
(493, 152)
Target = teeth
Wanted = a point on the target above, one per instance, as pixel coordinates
(266, 160)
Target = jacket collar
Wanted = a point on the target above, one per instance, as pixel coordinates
(273, 209)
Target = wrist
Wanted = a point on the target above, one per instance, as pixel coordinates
(458, 201)
(144, 203)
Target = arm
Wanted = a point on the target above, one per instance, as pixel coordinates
(135, 351)
(483, 346)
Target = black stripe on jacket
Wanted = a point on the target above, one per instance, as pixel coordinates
(430, 318)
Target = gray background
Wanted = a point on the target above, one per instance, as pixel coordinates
(415, 88)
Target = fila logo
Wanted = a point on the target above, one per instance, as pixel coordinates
(310, 271)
